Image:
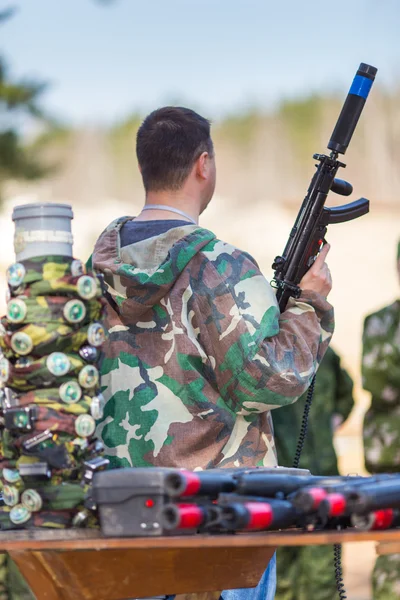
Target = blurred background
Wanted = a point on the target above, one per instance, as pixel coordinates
(77, 77)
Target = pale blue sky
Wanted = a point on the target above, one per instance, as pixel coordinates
(105, 61)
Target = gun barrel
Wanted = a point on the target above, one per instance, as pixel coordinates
(270, 485)
(258, 515)
(308, 500)
(248, 516)
(187, 516)
(352, 108)
(378, 520)
(371, 497)
(334, 505)
(182, 484)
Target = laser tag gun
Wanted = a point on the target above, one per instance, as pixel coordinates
(371, 497)
(353, 495)
(362, 499)
(256, 481)
(242, 499)
(190, 517)
(233, 512)
(309, 498)
(319, 507)
(229, 514)
(308, 234)
(376, 521)
(159, 501)
(266, 483)
(130, 501)
(269, 486)
(183, 484)
(253, 513)
(140, 501)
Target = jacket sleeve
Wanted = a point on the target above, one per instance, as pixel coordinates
(261, 359)
(344, 401)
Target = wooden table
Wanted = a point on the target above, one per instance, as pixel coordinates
(82, 565)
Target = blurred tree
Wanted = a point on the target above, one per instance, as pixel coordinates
(19, 100)
(302, 119)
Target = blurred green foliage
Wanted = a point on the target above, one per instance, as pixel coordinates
(19, 103)
(302, 122)
(121, 140)
(239, 129)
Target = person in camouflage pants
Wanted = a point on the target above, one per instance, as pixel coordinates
(12, 584)
(381, 377)
(308, 572)
(198, 353)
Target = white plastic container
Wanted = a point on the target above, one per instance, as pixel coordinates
(42, 229)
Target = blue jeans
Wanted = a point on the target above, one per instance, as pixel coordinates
(265, 590)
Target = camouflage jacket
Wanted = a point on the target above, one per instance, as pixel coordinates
(198, 352)
(381, 377)
(333, 396)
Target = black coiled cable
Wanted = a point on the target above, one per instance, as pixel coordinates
(304, 425)
(337, 561)
(337, 548)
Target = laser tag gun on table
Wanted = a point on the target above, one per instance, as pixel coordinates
(154, 501)
(131, 502)
(308, 234)
(257, 501)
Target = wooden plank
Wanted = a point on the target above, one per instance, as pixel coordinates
(85, 540)
(37, 575)
(82, 565)
(65, 580)
(117, 574)
(388, 548)
(132, 573)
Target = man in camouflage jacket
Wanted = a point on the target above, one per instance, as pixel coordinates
(381, 377)
(198, 353)
(307, 572)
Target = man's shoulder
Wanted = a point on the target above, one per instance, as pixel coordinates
(217, 250)
(384, 314)
(380, 322)
(228, 267)
(392, 308)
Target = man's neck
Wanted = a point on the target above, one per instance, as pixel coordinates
(180, 200)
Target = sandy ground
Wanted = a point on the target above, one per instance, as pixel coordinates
(362, 262)
(358, 561)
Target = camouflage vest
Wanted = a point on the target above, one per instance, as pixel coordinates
(381, 377)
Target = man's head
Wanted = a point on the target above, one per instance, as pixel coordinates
(174, 150)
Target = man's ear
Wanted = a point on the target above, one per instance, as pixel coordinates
(203, 165)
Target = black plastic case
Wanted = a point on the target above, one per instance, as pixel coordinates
(130, 501)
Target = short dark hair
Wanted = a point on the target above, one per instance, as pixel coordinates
(168, 143)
